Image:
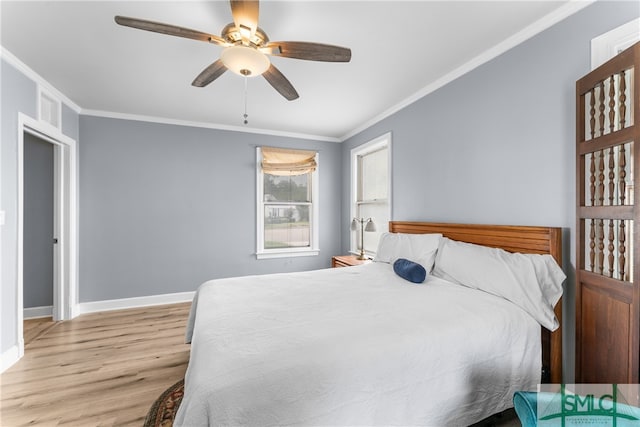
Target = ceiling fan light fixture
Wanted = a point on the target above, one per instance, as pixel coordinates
(245, 61)
(246, 46)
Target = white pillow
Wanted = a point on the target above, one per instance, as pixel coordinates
(533, 282)
(420, 248)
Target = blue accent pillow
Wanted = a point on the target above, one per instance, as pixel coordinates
(409, 270)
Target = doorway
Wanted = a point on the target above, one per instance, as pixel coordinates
(39, 219)
(65, 224)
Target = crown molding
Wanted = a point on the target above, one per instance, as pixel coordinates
(44, 84)
(537, 27)
(37, 78)
(163, 120)
(542, 24)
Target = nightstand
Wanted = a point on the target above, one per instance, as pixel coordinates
(347, 261)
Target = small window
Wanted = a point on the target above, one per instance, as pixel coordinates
(287, 202)
(371, 191)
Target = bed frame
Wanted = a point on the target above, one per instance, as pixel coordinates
(524, 239)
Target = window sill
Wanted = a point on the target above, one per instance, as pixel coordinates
(287, 253)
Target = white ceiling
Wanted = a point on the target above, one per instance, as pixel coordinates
(400, 51)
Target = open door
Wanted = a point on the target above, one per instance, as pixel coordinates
(39, 227)
(608, 231)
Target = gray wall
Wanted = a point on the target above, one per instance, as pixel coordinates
(498, 144)
(19, 94)
(164, 207)
(38, 223)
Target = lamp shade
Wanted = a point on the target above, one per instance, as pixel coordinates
(245, 60)
(354, 224)
(371, 226)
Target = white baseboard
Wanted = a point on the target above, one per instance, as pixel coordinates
(9, 358)
(123, 303)
(36, 312)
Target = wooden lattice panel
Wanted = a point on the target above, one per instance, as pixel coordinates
(607, 296)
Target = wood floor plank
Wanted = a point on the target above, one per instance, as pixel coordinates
(100, 369)
(33, 328)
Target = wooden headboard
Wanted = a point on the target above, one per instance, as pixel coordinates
(524, 239)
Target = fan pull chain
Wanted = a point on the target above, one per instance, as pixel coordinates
(245, 101)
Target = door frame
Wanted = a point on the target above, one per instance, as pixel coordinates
(65, 253)
(607, 45)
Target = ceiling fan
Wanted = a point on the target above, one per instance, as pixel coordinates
(246, 47)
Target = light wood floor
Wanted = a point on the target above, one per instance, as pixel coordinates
(101, 369)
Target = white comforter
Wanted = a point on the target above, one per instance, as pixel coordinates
(353, 346)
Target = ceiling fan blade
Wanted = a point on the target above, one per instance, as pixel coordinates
(280, 83)
(209, 74)
(309, 51)
(245, 16)
(172, 30)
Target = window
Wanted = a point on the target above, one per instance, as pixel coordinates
(287, 214)
(371, 190)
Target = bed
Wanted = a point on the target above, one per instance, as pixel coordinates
(363, 346)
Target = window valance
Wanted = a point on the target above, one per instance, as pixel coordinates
(287, 162)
